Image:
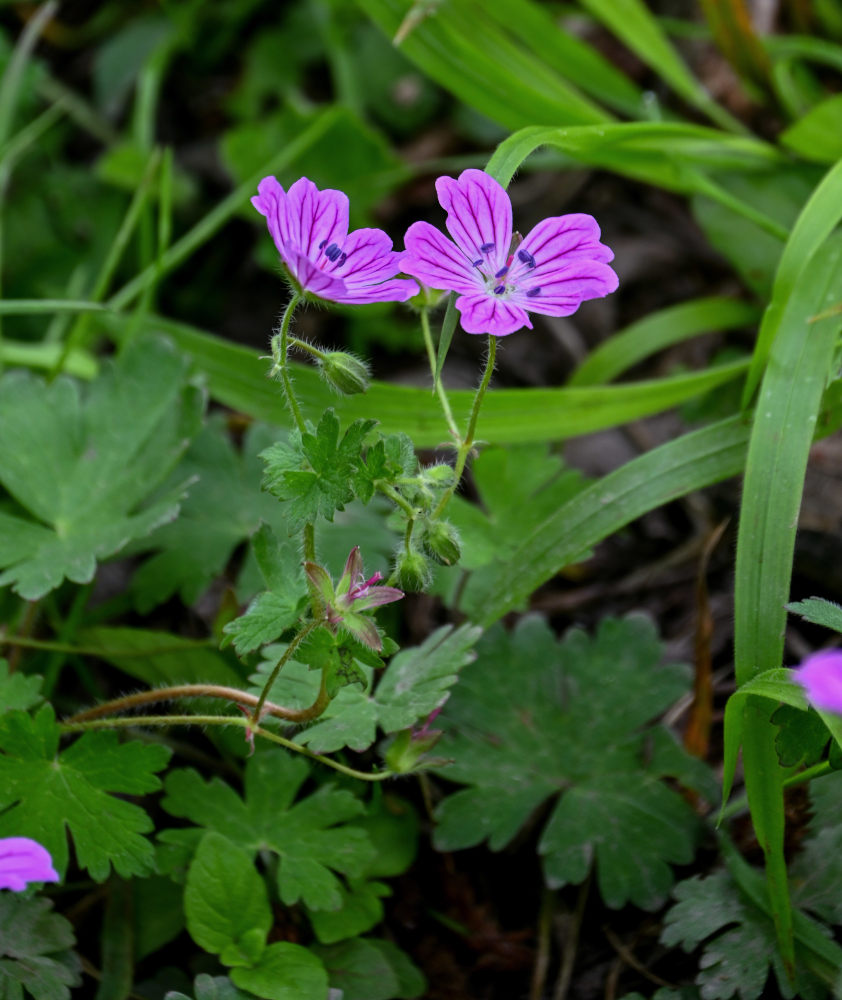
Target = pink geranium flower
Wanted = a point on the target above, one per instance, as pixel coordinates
(559, 265)
(821, 677)
(23, 860)
(310, 230)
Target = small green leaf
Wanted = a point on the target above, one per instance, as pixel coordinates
(36, 953)
(819, 611)
(43, 791)
(315, 472)
(535, 718)
(817, 135)
(211, 988)
(18, 691)
(284, 972)
(368, 969)
(361, 910)
(225, 899)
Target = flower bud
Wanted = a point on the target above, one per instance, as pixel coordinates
(413, 571)
(439, 475)
(441, 542)
(345, 373)
(407, 749)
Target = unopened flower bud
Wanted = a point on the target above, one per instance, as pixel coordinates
(439, 475)
(345, 373)
(441, 542)
(413, 571)
(408, 748)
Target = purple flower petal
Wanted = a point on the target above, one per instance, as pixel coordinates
(479, 216)
(23, 860)
(557, 241)
(565, 288)
(432, 258)
(375, 596)
(310, 230)
(821, 677)
(483, 313)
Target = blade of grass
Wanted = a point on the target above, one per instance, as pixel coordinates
(672, 470)
(784, 424)
(817, 220)
(633, 23)
(237, 377)
(659, 330)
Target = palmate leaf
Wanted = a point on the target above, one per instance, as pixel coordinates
(739, 946)
(416, 681)
(82, 466)
(17, 691)
(310, 836)
(36, 956)
(534, 718)
(43, 793)
(315, 472)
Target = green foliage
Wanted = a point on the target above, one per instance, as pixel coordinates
(369, 969)
(416, 682)
(817, 869)
(211, 988)
(535, 718)
(83, 468)
(818, 611)
(17, 691)
(738, 942)
(36, 956)
(43, 792)
(228, 914)
(224, 507)
(310, 836)
(276, 609)
(315, 472)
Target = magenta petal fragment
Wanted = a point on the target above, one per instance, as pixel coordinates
(482, 313)
(23, 860)
(561, 291)
(821, 677)
(434, 260)
(376, 596)
(315, 218)
(479, 216)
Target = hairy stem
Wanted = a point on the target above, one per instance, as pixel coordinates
(440, 392)
(81, 726)
(304, 714)
(280, 350)
(468, 441)
(130, 701)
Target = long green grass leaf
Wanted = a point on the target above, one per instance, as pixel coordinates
(237, 377)
(672, 470)
(659, 330)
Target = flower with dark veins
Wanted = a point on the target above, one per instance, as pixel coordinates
(821, 677)
(501, 279)
(23, 860)
(310, 230)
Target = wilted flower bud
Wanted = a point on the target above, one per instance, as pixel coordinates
(345, 373)
(413, 571)
(441, 542)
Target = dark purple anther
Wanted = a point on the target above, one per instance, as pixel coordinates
(342, 258)
(332, 252)
(500, 289)
(486, 248)
(323, 244)
(525, 257)
(532, 292)
(502, 271)
(477, 263)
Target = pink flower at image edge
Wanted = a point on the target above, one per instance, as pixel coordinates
(310, 230)
(558, 265)
(23, 860)
(821, 677)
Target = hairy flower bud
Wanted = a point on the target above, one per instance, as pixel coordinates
(413, 571)
(441, 542)
(345, 373)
